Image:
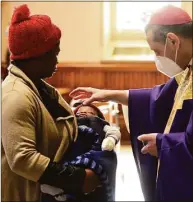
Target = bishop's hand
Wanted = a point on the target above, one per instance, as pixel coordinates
(149, 141)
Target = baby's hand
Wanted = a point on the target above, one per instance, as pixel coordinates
(108, 144)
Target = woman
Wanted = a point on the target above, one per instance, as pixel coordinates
(37, 124)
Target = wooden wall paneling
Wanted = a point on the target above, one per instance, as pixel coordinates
(106, 77)
(91, 78)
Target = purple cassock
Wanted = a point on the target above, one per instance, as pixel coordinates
(149, 110)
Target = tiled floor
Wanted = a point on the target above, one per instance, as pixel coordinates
(127, 183)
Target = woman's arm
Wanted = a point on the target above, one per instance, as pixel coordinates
(19, 136)
(19, 142)
(71, 179)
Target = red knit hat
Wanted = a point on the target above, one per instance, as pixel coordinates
(100, 114)
(170, 15)
(31, 36)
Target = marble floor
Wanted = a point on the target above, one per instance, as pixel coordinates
(127, 180)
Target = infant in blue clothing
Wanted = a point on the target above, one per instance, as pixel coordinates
(94, 150)
(109, 134)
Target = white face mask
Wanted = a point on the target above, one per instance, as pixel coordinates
(166, 65)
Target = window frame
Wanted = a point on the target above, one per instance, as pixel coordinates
(126, 35)
(116, 39)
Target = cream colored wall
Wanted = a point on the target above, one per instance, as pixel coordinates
(80, 23)
(4, 22)
(187, 6)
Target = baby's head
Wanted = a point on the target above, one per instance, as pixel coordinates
(87, 111)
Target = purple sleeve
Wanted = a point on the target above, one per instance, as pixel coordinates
(175, 176)
(148, 112)
(172, 141)
(139, 108)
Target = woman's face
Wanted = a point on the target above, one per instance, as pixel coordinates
(49, 62)
(86, 111)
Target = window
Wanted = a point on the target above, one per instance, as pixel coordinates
(135, 15)
(124, 24)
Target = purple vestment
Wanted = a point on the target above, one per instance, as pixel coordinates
(149, 110)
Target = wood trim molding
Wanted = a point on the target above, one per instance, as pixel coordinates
(109, 75)
(108, 65)
(144, 66)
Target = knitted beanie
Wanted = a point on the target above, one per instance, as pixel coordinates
(31, 36)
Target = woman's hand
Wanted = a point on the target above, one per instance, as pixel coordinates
(91, 181)
(89, 94)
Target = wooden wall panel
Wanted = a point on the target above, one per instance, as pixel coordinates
(109, 76)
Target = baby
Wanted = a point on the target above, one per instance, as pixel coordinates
(94, 150)
(110, 134)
